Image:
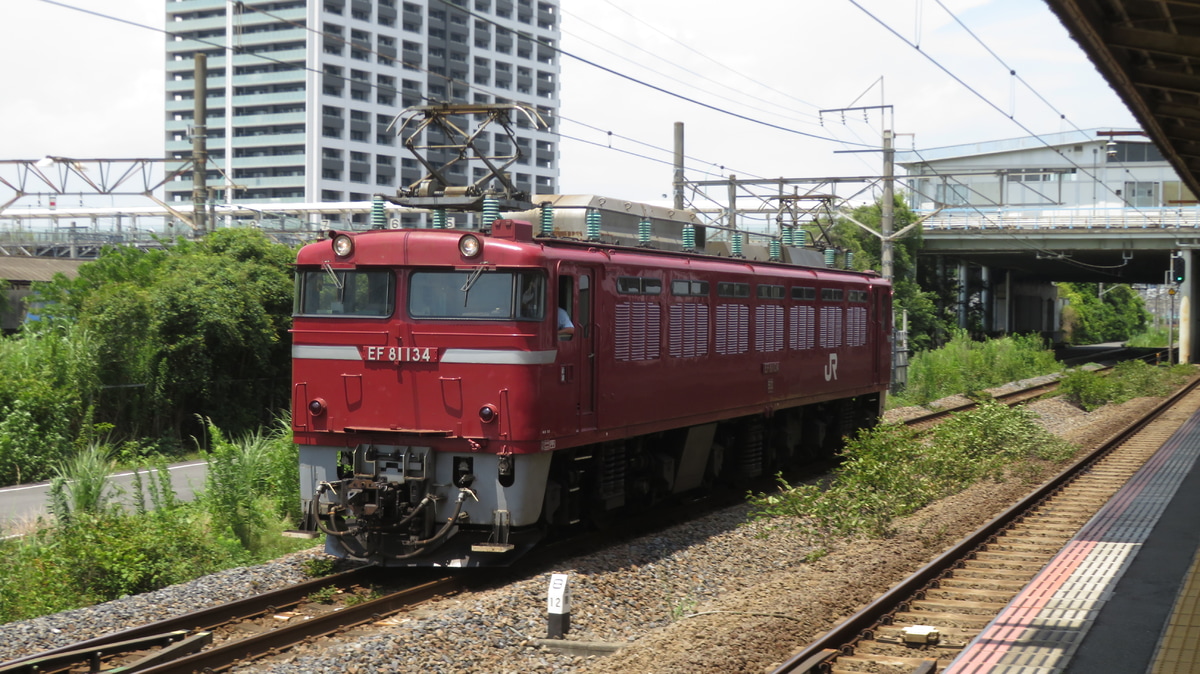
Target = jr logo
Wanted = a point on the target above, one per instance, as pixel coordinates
(831, 368)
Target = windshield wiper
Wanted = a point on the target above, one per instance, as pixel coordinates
(470, 282)
(337, 281)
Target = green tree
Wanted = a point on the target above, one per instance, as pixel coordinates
(199, 327)
(1090, 318)
(929, 302)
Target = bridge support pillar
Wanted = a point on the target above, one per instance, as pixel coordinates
(964, 292)
(987, 303)
(1188, 324)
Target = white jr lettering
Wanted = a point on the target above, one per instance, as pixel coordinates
(831, 368)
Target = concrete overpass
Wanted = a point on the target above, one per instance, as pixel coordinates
(1149, 52)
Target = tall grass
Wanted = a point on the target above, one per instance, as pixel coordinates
(1155, 337)
(1127, 380)
(252, 481)
(81, 484)
(967, 366)
(887, 472)
(97, 551)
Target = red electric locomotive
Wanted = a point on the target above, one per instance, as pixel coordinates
(457, 394)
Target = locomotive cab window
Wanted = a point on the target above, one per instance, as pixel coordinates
(477, 294)
(345, 292)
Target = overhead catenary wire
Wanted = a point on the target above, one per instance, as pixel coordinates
(814, 120)
(653, 87)
(391, 89)
(1078, 167)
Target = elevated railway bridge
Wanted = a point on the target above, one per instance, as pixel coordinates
(1005, 264)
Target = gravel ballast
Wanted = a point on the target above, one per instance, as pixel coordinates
(712, 595)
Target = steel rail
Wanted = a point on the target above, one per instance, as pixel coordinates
(832, 643)
(225, 656)
(204, 619)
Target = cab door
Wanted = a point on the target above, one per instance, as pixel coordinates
(577, 351)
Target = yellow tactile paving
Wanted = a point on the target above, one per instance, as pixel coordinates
(1179, 647)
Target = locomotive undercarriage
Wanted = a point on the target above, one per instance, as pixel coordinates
(594, 483)
(391, 504)
(399, 505)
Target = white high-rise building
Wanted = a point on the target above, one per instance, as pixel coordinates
(301, 92)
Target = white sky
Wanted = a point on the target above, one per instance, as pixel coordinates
(82, 86)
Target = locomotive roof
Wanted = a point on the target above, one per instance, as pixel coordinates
(395, 247)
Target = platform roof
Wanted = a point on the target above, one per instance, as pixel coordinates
(1149, 51)
(20, 269)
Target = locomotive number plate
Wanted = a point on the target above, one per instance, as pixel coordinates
(399, 354)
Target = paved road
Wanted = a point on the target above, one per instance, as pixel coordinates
(23, 503)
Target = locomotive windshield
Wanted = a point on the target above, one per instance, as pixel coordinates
(479, 293)
(345, 292)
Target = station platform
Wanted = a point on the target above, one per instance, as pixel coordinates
(1121, 597)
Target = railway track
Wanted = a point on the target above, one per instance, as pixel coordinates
(1010, 398)
(215, 638)
(964, 588)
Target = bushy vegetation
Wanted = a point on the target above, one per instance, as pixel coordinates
(96, 550)
(1127, 380)
(917, 290)
(965, 366)
(1152, 338)
(888, 472)
(1089, 318)
(141, 343)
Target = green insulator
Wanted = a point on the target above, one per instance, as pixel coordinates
(378, 214)
(801, 238)
(776, 250)
(547, 219)
(491, 211)
(735, 244)
(593, 225)
(439, 219)
(830, 257)
(787, 236)
(644, 232)
(849, 260)
(689, 236)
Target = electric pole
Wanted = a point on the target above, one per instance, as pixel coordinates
(200, 145)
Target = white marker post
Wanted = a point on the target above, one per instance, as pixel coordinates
(558, 606)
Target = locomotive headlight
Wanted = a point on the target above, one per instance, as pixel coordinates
(316, 407)
(487, 414)
(469, 245)
(343, 245)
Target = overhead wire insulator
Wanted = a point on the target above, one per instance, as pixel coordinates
(736, 244)
(689, 237)
(776, 248)
(787, 235)
(547, 219)
(378, 214)
(644, 228)
(491, 211)
(849, 260)
(439, 218)
(593, 225)
(830, 257)
(801, 238)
